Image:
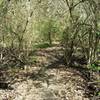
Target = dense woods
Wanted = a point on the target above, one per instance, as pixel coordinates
(65, 30)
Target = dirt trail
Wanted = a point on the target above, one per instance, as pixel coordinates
(56, 84)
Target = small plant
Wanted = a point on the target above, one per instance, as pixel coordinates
(95, 66)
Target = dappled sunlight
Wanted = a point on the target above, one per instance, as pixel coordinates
(49, 50)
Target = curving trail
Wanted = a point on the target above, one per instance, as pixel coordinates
(55, 84)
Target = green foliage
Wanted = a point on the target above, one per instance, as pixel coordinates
(98, 93)
(48, 27)
(41, 45)
(1, 2)
(98, 34)
(95, 66)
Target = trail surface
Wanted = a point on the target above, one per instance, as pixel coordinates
(57, 83)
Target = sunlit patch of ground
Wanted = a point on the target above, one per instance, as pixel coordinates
(58, 84)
